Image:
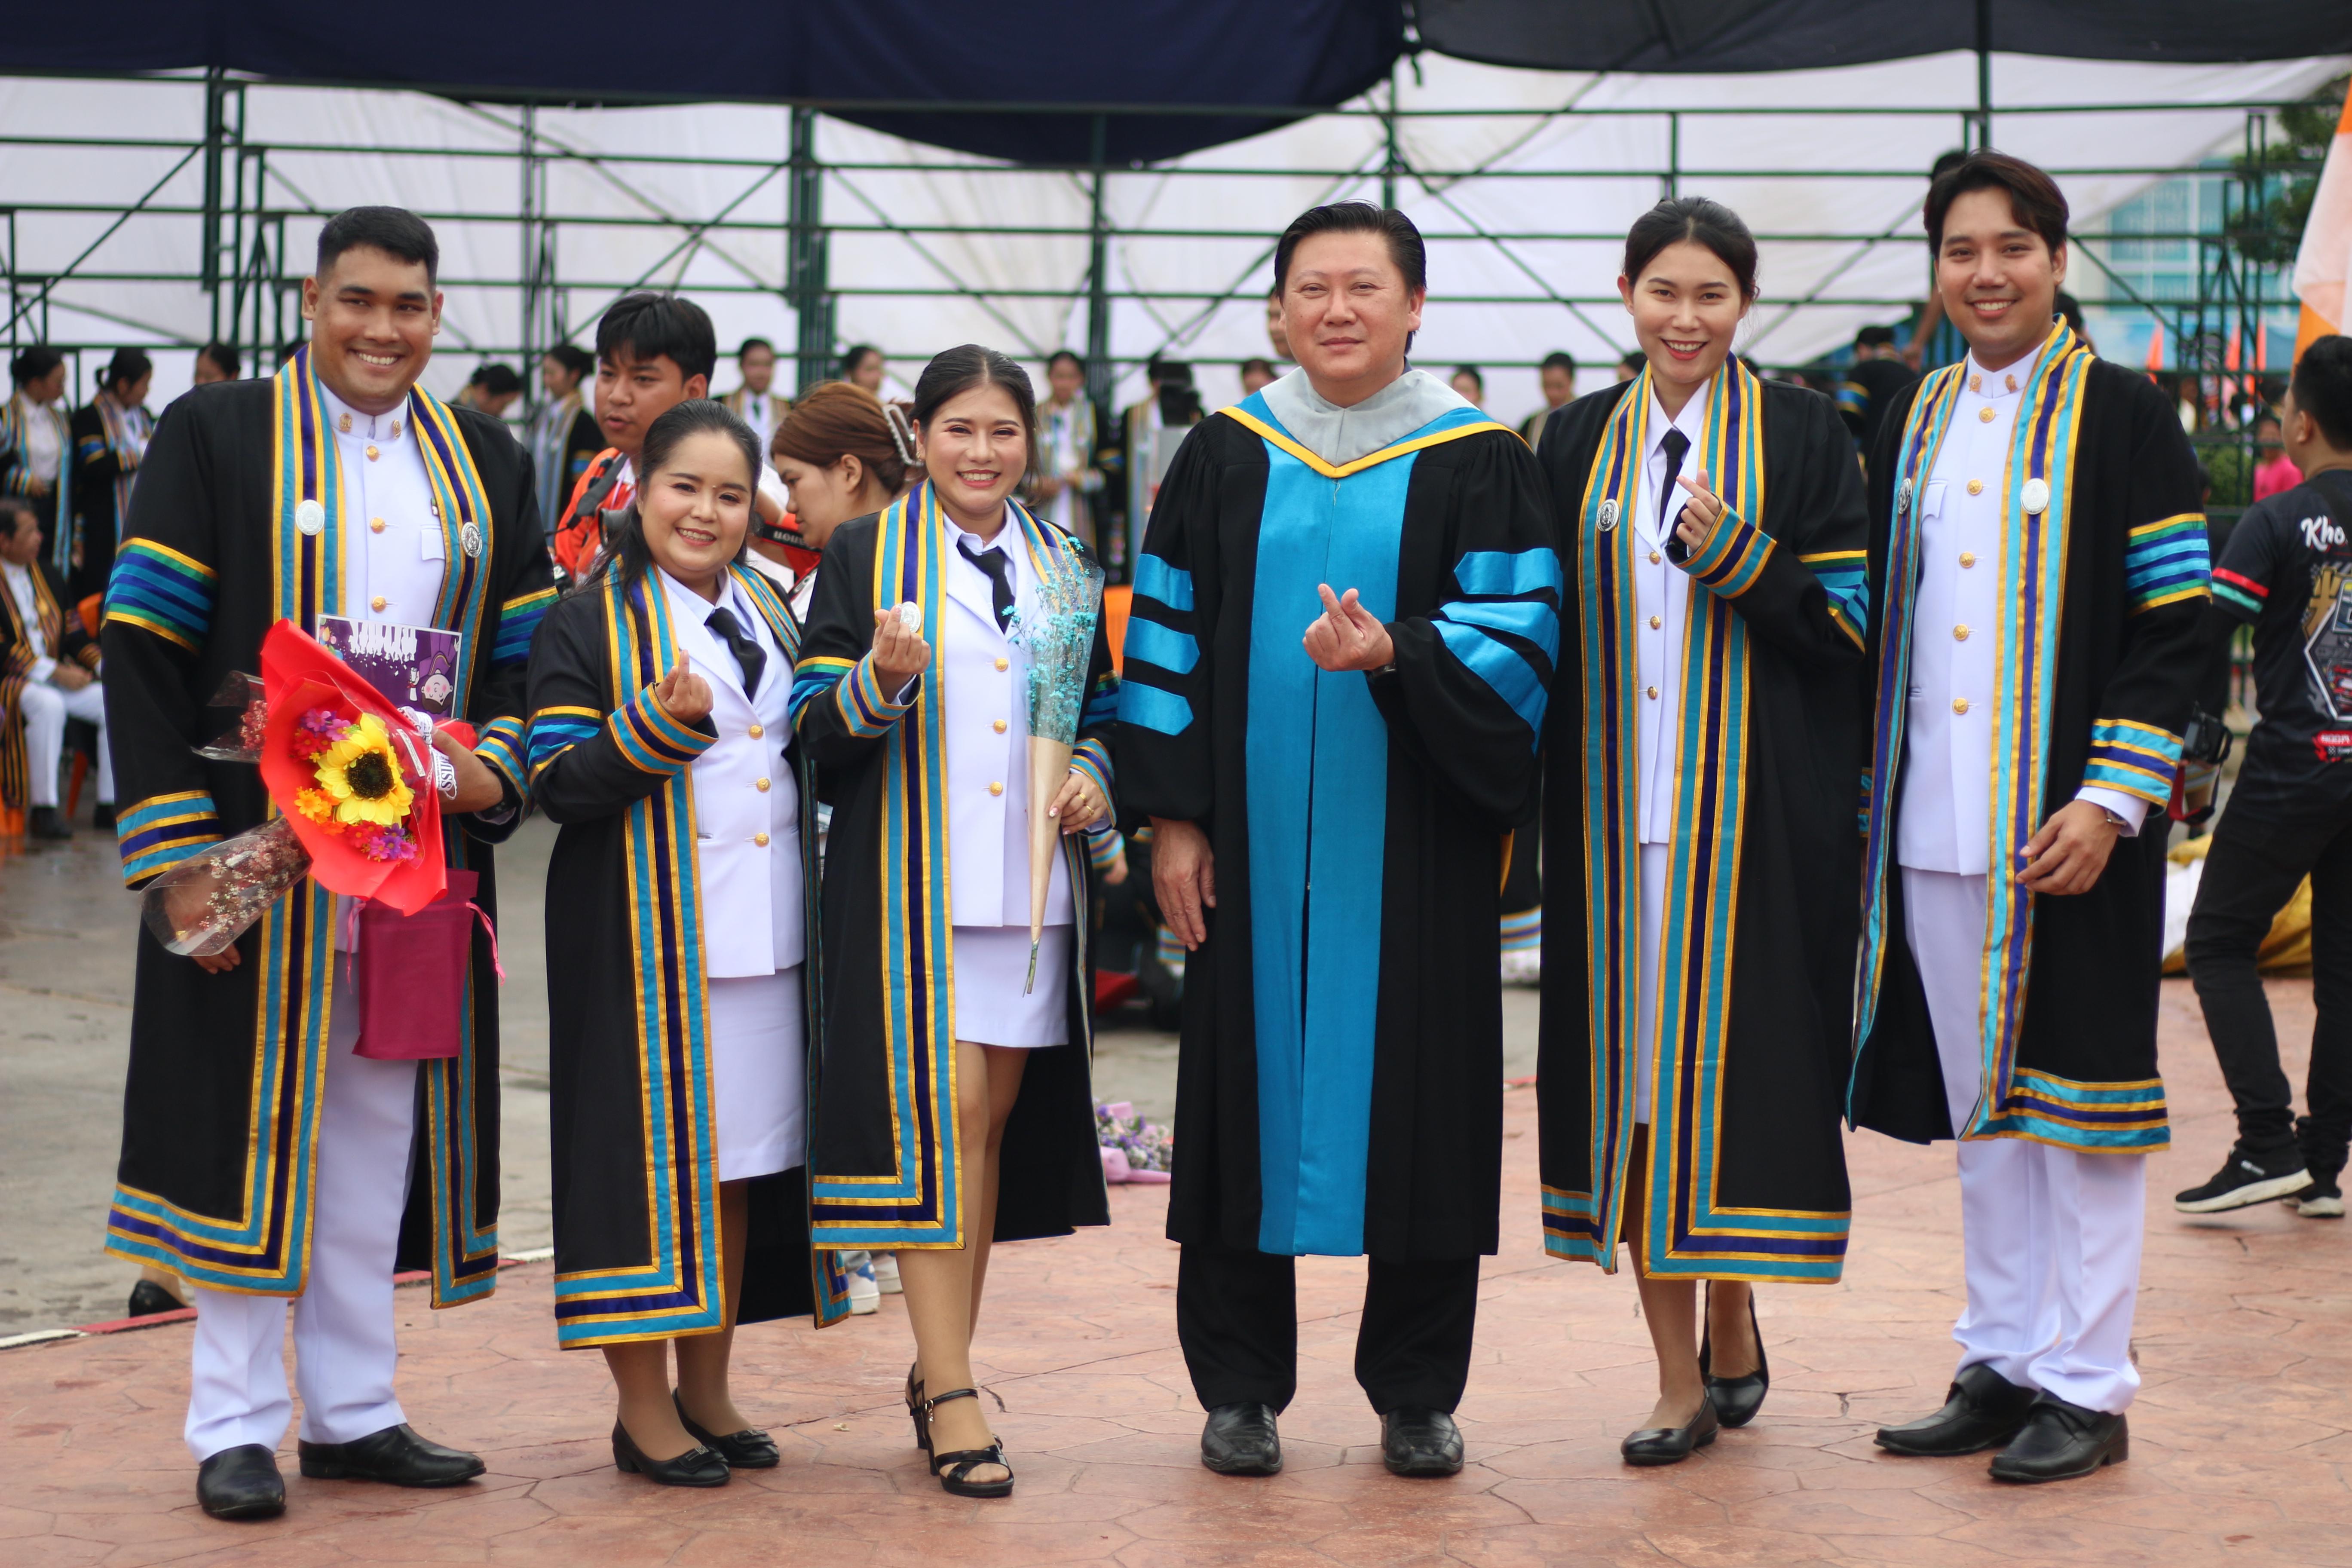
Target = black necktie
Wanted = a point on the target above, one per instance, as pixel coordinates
(748, 656)
(1674, 444)
(1000, 578)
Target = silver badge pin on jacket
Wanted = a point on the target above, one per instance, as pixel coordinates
(1607, 519)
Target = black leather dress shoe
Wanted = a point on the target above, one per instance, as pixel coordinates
(750, 1449)
(241, 1482)
(2062, 1441)
(1673, 1444)
(1240, 1440)
(148, 1299)
(395, 1455)
(102, 817)
(48, 822)
(1418, 1442)
(1736, 1399)
(700, 1467)
(1984, 1410)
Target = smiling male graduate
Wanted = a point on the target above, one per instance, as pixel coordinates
(263, 1159)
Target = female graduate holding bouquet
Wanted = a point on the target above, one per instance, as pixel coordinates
(679, 910)
(1703, 742)
(953, 1096)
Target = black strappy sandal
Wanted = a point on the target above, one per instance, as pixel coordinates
(1736, 1399)
(915, 1406)
(954, 1469)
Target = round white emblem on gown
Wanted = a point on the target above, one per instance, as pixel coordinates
(911, 615)
(1902, 499)
(469, 538)
(2035, 496)
(1608, 515)
(310, 517)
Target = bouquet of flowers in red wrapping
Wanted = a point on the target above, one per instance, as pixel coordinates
(357, 782)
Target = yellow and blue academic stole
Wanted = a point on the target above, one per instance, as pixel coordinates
(1684, 1233)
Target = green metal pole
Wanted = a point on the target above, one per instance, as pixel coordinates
(805, 261)
(1098, 365)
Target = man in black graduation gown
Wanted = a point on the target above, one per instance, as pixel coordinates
(263, 1158)
(2037, 573)
(1344, 623)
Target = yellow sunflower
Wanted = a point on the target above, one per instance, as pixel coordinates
(361, 777)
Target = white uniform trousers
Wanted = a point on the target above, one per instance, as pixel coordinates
(46, 709)
(2052, 1237)
(344, 1352)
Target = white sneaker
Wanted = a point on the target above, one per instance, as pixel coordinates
(865, 1296)
(886, 1273)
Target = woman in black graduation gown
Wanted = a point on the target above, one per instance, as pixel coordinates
(110, 438)
(679, 904)
(953, 1103)
(1703, 743)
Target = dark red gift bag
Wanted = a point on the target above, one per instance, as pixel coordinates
(412, 973)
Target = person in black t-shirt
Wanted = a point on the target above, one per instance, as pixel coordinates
(2287, 570)
(1870, 383)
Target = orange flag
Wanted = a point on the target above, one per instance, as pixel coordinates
(2325, 258)
(2155, 345)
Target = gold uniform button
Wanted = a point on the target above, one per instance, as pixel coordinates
(371, 454)
(1976, 487)
(375, 525)
(1003, 664)
(760, 839)
(999, 726)
(1959, 633)
(1656, 558)
(376, 602)
(1968, 558)
(996, 789)
(1984, 415)
(1656, 621)
(758, 731)
(1959, 704)
(1653, 694)
(760, 784)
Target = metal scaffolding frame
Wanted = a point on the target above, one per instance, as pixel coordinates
(253, 284)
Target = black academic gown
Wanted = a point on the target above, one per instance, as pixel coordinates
(885, 1171)
(635, 1149)
(1756, 972)
(221, 1110)
(59, 624)
(1343, 1099)
(2071, 983)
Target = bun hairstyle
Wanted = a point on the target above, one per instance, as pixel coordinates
(128, 367)
(625, 539)
(32, 364)
(1701, 222)
(959, 370)
(837, 419)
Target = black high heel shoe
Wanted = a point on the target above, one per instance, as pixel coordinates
(695, 1468)
(1736, 1399)
(915, 1406)
(750, 1449)
(959, 1463)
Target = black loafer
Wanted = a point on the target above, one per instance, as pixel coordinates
(150, 1299)
(397, 1456)
(1984, 1410)
(1240, 1440)
(1418, 1442)
(697, 1467)
(48, 822)
(241, 1482)
(1736, 1399)
(750, 1449)
(1673, 1444)
(2062, 1441)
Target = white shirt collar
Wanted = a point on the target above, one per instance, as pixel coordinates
(685, 601)
(1691, 422)
(382, 429)
(1996, 385)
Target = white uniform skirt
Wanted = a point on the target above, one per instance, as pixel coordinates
(991, 963)
(1655, 860)
(759, 1072)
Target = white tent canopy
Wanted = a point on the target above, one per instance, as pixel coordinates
(1553, 153)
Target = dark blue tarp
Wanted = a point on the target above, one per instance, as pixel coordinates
(1261, 54)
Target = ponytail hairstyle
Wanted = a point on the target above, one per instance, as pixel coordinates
(837, 419)
(624, 542)
(128, 367)
(959, 370)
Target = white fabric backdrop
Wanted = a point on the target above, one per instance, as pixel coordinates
(1771, 167)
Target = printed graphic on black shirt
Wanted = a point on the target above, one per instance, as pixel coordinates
(2287, 570)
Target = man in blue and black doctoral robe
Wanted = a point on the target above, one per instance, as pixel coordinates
(1339, 1090)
